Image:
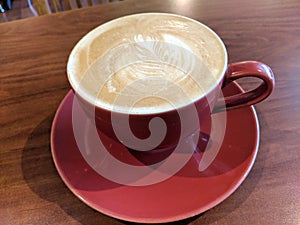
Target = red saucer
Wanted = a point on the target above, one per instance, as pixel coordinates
(186, 194)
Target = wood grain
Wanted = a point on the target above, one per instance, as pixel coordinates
(33, 81)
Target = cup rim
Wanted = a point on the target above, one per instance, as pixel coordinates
(97, 29)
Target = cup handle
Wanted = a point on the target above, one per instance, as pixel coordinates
(246, 69)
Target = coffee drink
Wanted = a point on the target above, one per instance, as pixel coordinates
(147, 63)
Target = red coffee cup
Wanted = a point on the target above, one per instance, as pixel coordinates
(158, 129)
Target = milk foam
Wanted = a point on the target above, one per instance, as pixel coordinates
(154, 62)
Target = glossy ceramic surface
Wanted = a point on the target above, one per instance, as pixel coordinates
(187, 193)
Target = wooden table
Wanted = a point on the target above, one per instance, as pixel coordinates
(33, 81)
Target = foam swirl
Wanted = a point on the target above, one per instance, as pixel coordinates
(147, 47)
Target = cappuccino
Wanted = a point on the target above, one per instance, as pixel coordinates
(147, 63)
